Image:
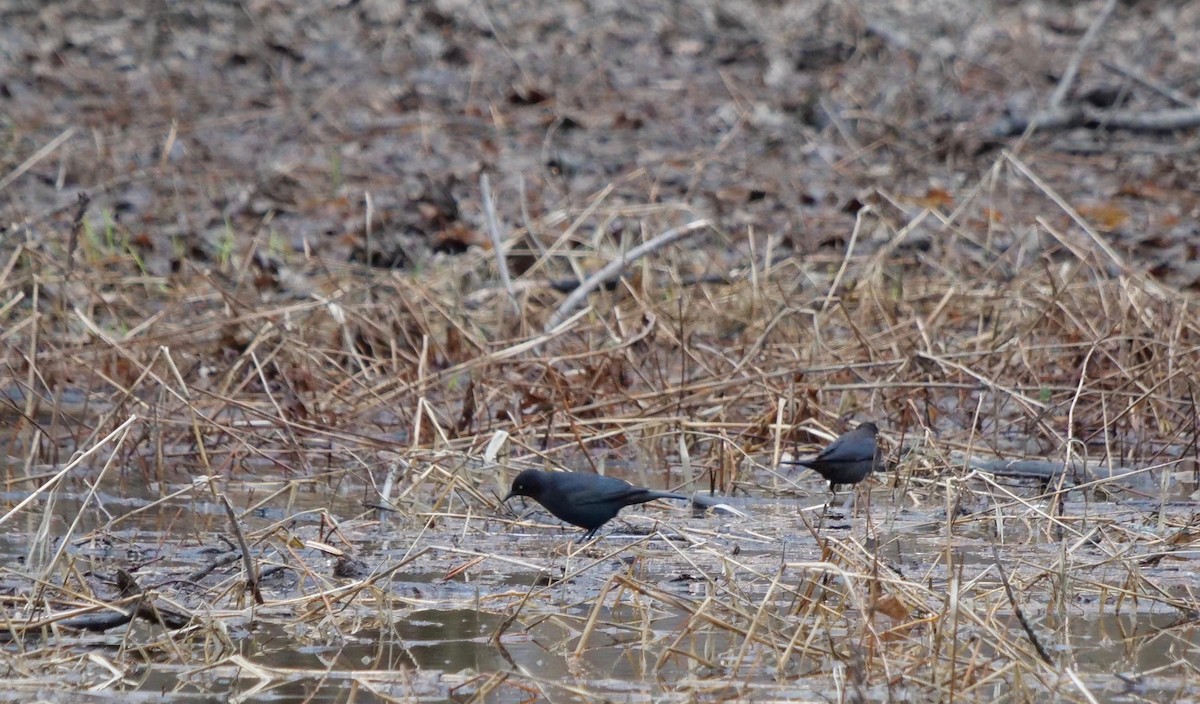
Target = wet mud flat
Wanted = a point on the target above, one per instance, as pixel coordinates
(1026, 596)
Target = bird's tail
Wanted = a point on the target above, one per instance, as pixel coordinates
(666, 495)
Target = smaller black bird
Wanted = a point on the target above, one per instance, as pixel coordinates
(586, 500)
(849, 458)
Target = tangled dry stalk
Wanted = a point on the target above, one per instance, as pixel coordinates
(1001, 327)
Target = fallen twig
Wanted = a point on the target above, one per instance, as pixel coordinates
(615, 267)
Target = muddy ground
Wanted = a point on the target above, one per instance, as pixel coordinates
(781, 119)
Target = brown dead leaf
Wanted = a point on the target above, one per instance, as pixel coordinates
(467, 418)
(1145, 191)
(1106, 217)
(1183, 537)
(457, 238)
(891, 607)
(933, 199)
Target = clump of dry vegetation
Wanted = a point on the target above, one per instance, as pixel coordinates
(1044, 347)
(225, 434)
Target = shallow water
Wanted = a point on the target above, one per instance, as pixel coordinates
(824, 592)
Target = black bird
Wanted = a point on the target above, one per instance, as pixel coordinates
(849, 458)
(586, 500)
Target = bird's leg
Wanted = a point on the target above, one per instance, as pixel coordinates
(850, 502)
(832, 495)
(825, 508)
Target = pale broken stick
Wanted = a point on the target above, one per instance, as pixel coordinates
(615, 267)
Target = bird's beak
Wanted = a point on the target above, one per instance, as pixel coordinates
(510, 495)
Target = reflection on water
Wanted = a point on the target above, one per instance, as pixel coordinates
(1129, 642)
(433, 652)
(446, 654)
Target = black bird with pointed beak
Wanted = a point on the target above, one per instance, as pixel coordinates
(849, 458)
(585, 500)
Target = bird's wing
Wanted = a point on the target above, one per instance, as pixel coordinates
(594, 489)
(832, 449)
(850, 447)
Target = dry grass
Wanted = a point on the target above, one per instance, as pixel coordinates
(1000, 325)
